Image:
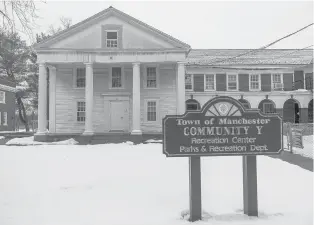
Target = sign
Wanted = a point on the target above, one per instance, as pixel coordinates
(222, 127)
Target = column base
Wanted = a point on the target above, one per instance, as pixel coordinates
(136, 132)
(41, 137)
(88, 133)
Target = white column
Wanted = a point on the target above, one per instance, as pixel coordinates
(89, 95)
(181, 88)
(42, 99)
(52, 99)
(136, 129)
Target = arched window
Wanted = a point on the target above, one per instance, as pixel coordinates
(192, 104)
(291, 111)
(267, 106)
(245, 103)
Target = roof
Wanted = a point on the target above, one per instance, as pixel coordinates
(218, 57)
(106, 13)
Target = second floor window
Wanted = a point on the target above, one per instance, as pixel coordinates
(254, 82)
(151, 79)
(2, 97)
(80, 77)
(188, 82)
(232, 83)
(112, 39)
(116, 78)
(209, 82)
(277, 83)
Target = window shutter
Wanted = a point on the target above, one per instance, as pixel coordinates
(243, 82)
(221, 81)
(287, 81)
(198, 82)
(309, 81)
(298, 80)
(266, 82)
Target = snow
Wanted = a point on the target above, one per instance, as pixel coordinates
(121, 184)
(307, 151)
(1, 137)
(30, 141)
(153, 141)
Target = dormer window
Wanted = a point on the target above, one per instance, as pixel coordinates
(112, 39)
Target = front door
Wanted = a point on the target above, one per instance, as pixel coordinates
(119, 115)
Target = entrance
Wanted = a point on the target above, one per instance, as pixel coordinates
(291, 111)
(119, 116)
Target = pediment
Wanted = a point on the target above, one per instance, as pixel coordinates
(132, 34)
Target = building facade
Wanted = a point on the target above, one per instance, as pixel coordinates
(7, 104)
(114, 73)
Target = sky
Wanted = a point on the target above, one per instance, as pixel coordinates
(201, 24)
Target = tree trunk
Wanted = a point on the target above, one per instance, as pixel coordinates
(22, 113)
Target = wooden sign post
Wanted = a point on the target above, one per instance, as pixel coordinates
(222, 127)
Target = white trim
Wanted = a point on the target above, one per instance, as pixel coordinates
(3, 99)
(259, 82)
(122, 77)
(192, 82)
(237, 80)
(5, 119)
(205, 82)
(74, 72)
(272, 83)
(145, 76)
(157, 110)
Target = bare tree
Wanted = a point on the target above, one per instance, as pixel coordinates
(18, 12)
(65, 24)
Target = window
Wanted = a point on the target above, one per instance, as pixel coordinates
(245, 103)
(232, 82)
(151, 111)
(254, 82)
(189, 82)
(192, 104)
(5, 118)
(112, 39)
(2, 97)
(80, 77)
(209, 82)
(151, 77)
(80, 111)
(116, 77)
(268, 108)
(277, 83)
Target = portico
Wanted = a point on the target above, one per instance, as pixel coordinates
(130, 98)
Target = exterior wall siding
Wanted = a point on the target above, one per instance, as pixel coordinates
(9, 108)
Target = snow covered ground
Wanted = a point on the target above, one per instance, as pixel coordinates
(120, 184)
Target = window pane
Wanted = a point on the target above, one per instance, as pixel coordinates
(268, 108)
(80, 111)
(232, 82)
(191, 106)
(210, 82)
(116, 77)
(188, 82)
(151, 77)
(80, 77)
(254, 84)
(112, 35)
(151, 111)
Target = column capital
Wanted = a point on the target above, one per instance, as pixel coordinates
(136, 63)
(41, 64)
(181, 63)
(52, 68)
(88, 63)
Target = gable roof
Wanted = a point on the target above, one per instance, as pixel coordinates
(261, 57)
(106, 13)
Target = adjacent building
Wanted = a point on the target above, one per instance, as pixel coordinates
(114, 73)
(7, 104)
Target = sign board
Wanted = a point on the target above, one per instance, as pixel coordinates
(222, 127)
